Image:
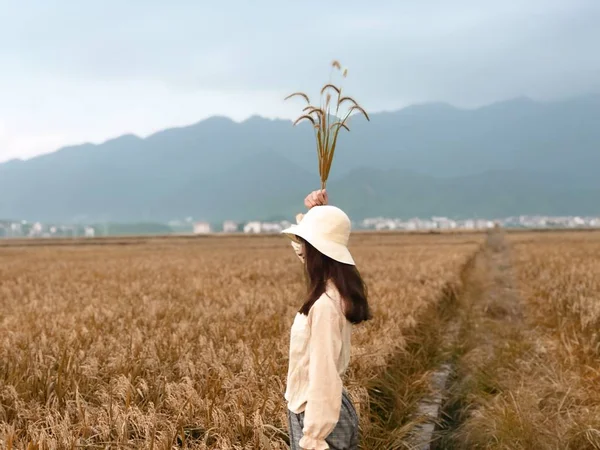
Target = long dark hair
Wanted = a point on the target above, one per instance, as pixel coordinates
(353, 291)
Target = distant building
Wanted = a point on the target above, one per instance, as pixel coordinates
(202, 228)
(89, 232)
(481, 224)
(271, 227)
(444, 223)
(36, 229)
(229, 226)
(253, 227)
(266, 227)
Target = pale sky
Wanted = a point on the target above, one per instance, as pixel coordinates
(76, 71)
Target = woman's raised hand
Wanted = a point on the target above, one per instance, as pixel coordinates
(316, 198)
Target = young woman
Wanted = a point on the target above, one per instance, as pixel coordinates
(320, 412)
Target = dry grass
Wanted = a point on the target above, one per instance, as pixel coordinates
(529, 377)
(328, 123)
(560, 281)
(176, 342)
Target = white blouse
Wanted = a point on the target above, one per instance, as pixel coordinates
(319, 357)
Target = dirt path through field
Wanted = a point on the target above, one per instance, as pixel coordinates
(406, 399)
(489, 320)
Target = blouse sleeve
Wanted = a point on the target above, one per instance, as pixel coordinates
(324, 397)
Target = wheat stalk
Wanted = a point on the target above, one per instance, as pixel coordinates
(325, 125)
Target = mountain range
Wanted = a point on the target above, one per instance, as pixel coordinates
(509, 158)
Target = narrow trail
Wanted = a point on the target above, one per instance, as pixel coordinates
(431, 385)
(490, 319)
(486, 309)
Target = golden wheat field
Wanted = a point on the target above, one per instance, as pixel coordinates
(559, 278)
(182, 343)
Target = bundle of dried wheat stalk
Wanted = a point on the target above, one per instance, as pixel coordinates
(326, 125)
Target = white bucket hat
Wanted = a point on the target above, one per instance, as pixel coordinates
(326, 228)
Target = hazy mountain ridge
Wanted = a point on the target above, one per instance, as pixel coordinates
(507, 158)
